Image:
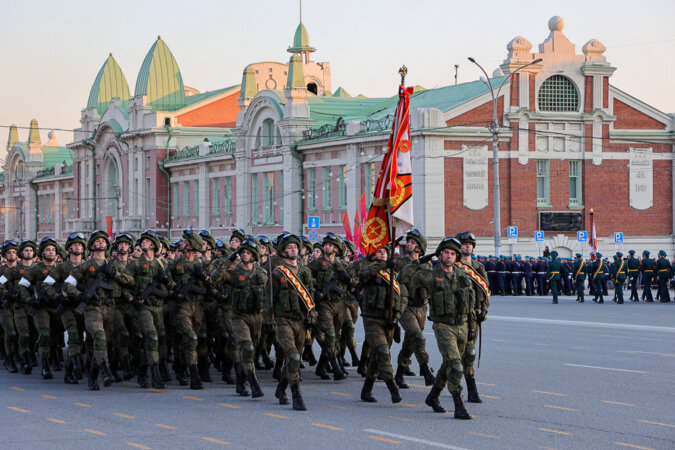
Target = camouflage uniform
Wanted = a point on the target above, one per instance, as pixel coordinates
(7, 315)
(19, 310)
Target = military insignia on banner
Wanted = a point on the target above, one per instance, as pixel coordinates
(299, 287)
(387, 277)
(475, 277)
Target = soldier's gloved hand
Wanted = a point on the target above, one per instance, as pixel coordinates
(179, 297)
(61, 299)
(318, 296)
(471, 336)
(83, 297)
(233, 256)
(480, 317)
(310, 322)
(163, 278)
(391, 263)
(109, 270)
(267, 329)
(391, 325)
(34, 302)
(201, 274)
(343, 277)
(219, 297)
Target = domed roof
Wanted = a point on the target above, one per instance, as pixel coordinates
(160, 80)
(110, 83)
(301, 41)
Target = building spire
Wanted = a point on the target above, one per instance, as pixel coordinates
(300, 10)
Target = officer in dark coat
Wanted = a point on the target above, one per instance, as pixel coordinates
(579, 276)
(539, 270)
(648, 267)
(663, 272)
(554, 272)
(633, 269)
(619, 275)
(598, 276)
(501, 274)
(528, 275)
(492, 275)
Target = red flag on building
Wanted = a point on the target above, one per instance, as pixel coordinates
(347, 226)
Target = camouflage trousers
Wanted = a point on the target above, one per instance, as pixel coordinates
(451, 341)
(331, 315)
(225, 338)
(74, 326)
(188, 317)
(150, 320)
(291, 338)
(22, 324)
(43, 320)
(120, 332)
(98, 320)
(246, 335)
(7, 322)
(379, 339)
(347, 333)
(412, 321)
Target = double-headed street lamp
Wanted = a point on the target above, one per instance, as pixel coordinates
(494, 129)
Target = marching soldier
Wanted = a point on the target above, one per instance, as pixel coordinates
(663, 272)
(347, 340)
(381, 311)
(633, 268)
(9, 254)
(122, 324)
(597, 269)
(648, 267)
(293, 310)
(451, 309)
(619, 275)
(554, 271)
(540, 272)
(579, 274)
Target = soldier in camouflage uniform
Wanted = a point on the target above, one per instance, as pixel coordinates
(414, 317)
(208, 331)
(9, 254)
(481, 305)
(449, 291)
(293, 311)
(150, 278)
(247, 297)
(347, 340)
(122, 245)
(31, 293)
(72, 322)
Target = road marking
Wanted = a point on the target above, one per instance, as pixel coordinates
(549, 393)
(82, 405)
(17, 388)
(422, 386)
(327, 427)
(55, 420)
(543, 345)
(391, 441)
(566, 433)
(483, 384)
(605, 368)
(142, 447)
(157, 390)
(623, 444)
(166, 427)
(399, 418)
(561, 407)
(227, 405)
(193, 398)
(403, 437)
(577, 323)
(14, 408)
(336, 406)
(500, 340)
(656, 423)
(97, 433)
(275, 415)
(484, 435)
(216, 441)
(340, 393)
(409, 405)
(492, 396)
(617, 403)
(50, 396)
(126, 416)
(632, 352)
(129, 385)
(629, 337)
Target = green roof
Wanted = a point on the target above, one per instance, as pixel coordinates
(56, 155)
(160, 79)
(192, 99)
(301, 41)
(110, 83)
(341, 92)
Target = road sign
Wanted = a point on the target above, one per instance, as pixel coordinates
(313, 236)
(618, 237)
(512, 232)
(582, 236)
(538, 236)
(313, 222)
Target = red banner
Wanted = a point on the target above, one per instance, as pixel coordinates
(347, 226)
(108, 223)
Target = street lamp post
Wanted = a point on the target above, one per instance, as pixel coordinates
(494, 129)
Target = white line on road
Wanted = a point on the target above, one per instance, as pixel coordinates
(412, 439)
(604, 368)
(577, 323)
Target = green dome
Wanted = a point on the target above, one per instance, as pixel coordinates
(110, 83)
(160, 80)
(301, 41)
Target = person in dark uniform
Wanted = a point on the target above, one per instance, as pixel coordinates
(528, 275)
(619, 275)
(579, 276)
(567, 279)
(501, 274)
(540, 272)
(554, 272)
(663, 272)
(491, 270)
(648, 267)
(598, 276)
(605, 270)
(633, 268)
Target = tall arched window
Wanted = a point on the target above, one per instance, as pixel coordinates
(268, 132)
(558, 93)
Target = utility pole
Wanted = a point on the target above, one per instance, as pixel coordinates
(456, 67)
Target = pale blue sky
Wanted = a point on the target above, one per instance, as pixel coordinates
(52, 50)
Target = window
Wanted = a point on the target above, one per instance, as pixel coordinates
(215, 198)
(370, 182)
(66, 207)
(174, 203)
(575, 183)
(52, 216)
(311, 189)
(228, 195)
(268, 198)
(186, 199)
(342, 187)
(327, 188)
(268, 132)
(196, 208)
(543, 195)
(558, 93)
(254, 199)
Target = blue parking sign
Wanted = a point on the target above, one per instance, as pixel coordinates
(618, 237)
(313, 222)
(582, 236)
(512, 232)
(538, 236)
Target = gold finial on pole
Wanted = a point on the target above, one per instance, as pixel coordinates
(403, 71)
(591, 209)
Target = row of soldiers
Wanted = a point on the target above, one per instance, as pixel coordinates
(201, 302)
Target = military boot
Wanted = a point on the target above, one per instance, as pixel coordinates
(280, 392)
(343, 362)
(338, 373)
(26, 367)
(156, 380)
(472, 391)
(11, 364)
(127, 373)
(308, 355)
(143, 376)
(164, 371)
(256, 392)
(276, 373)
(68, 376)
(107, 375)
(93, 378)
(352, 352)
(427, 373)
(367, 390)
(268, 364)
(298, 402)
(195, 382)
(78, 367)
(393, 390)
(240, 386)
(460, 410)
(398, 378)
(179, 370)
(408, 372)
(363, 366)
(115, 373)
(321, 371)
(57, 356)
(46, 371)
(227, 372)
(203, 365)
(432, 400)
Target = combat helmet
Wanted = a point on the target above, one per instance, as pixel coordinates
(9, 245)
(193, 239)
(252, 246)
(466, 237)
(418, 237)
(74, 238)
(210, 240)
(99, 234)
(152, 236)
(27, 243)
(288, 239)
(123, 238)
(449, 242)
(44, 243)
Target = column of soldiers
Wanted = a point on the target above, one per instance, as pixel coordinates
(137, 305)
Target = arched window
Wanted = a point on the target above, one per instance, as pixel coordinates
(268, 132)
(558, 93)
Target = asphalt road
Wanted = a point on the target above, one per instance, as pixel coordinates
(552, 376)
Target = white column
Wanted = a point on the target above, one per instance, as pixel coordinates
(524, 89)
(204, 203)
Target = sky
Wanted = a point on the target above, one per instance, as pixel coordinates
(52, 51)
